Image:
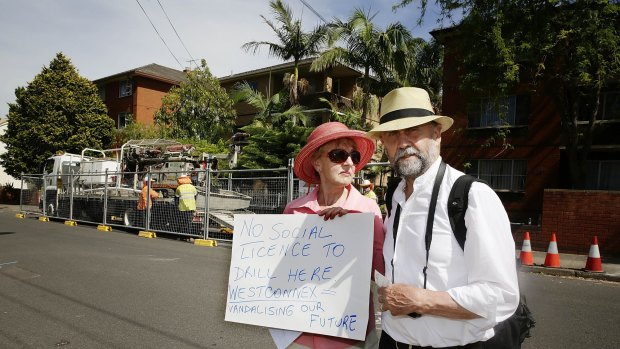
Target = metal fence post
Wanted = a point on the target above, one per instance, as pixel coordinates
(21, 193)
(44, 194)
(70, 195)
(230, 181)
(290, 180)
(207, 198)
(148, 200)
(105, 198)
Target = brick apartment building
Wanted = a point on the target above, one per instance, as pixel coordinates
(136, 94)
(532, 175)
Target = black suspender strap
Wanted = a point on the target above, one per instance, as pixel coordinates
(428, 238)
(394, 233)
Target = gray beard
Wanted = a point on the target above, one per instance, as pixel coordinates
(415, 165)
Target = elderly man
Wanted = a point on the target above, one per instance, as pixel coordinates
(440, 296)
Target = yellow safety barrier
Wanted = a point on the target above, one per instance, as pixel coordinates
(44, 219)
(19, 215)
(104, 227)
(226, 230)
(147, 234)
(203, 242)
(71, 223)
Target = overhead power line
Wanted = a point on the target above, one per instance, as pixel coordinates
(313, 10)
(162, 39)
(175, 31)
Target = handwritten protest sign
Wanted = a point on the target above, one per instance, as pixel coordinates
(299, 272)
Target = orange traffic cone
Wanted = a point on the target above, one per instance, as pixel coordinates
(526, 256)
(594, 258)
(552, 260)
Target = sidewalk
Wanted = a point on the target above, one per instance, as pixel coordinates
(572, 264)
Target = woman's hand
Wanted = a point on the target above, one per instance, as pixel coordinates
(332, 212)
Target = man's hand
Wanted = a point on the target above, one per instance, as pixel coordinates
(401, 299)
(332, 212)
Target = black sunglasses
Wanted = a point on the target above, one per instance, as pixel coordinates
(338, 156)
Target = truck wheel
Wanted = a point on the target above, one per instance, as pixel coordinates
(129, 218)
(51, 210)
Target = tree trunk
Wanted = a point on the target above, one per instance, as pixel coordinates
(578, 139)
(294, 97)
(365, 96)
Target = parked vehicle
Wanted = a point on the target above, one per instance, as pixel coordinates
(110, 181)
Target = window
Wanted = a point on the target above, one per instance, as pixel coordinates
(608, 110)
(101, 91)
(253, 85)
(124, 119)
(336, 86)
(603, 175)
(502, 175)
(503, 111)
(611, 106)
(125, 88)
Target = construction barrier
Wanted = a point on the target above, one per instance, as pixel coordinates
(552, 260)
(526, 257)
(594, 263)
(112, 199)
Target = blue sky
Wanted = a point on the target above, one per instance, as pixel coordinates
(105, 37)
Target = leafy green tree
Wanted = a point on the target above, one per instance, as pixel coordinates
(293, 43)
(570, 50)
(136, 130)
(272, 147)
(199, 108)
(59, 110)
(276, 133)
(367, 47)
(422, 67)
(270, 112)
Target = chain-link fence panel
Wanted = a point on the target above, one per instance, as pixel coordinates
(121, 199)
(31, 195)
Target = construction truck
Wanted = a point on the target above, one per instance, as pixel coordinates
(85, 186)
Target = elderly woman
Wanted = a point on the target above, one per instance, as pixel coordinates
(329, 160)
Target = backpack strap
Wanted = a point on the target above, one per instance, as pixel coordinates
(389, 193)
(457, 206)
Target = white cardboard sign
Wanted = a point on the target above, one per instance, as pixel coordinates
(299, 272)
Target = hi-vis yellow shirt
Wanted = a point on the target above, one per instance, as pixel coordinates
(187, 197)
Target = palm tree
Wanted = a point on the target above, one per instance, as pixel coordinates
(269, 111)
(276, 134)
(366, 47)
(293, 43)
(423, 67)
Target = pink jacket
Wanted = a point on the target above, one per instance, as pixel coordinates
(355, 202)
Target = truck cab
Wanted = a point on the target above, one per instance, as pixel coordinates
(57, 169)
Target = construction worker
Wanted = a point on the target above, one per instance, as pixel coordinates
(186, 194)
(368, 190)
(144, 198)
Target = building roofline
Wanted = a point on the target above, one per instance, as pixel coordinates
(275, 69)
(143, 71)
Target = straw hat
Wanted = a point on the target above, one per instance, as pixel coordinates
(407, 107)
(323, 134)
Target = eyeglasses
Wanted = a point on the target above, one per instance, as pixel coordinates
(338, 156)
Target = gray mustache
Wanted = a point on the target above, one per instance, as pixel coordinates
(407, 152)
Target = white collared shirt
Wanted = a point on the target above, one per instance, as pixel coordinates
(482, 279)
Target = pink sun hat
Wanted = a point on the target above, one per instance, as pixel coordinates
(326, 133)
